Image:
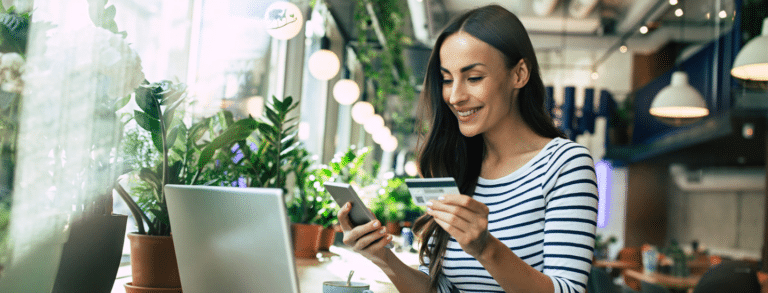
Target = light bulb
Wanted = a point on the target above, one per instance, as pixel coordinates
(324, 64)
(284, 20)
(361, 111)
(374, 123)
(381, 134)
(255, 106)
(411, 169)
(643, 29)
(390, 144)
(346, 91)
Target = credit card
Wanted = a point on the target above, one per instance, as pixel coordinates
(425, 189)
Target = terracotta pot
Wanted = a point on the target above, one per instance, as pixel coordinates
(153, 262)
(393, 228)
(327, 237)
(306, 240)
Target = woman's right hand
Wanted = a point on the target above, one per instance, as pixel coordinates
(369, 239)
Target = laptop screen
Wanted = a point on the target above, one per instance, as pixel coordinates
(230, 239)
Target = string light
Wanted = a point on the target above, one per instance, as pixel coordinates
(643, 29)
(623, 49)
(679, 12)
(673, 2)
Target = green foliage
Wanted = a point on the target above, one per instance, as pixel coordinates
(103, 16)
(393, 202)
(386, 67)
(5, 218)
(14, 30)
(264, 161)
(163, 152)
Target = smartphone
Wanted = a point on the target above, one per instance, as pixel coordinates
(343, 193)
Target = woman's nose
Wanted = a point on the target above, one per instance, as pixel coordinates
(458, 93)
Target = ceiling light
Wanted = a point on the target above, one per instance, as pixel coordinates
(284, 20)
(752, 61)
(595, 75)
(672, 2)
(723, 14)
(346, 91)
(389, 144)
(373, 123)
(623, 49)
(643, 29)
(679, 12)
(679, 100)
(361, 111)
(324, 64)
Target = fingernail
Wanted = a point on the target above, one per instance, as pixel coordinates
(441, 197)
(429, 209)
(383, 230)
(346, 205)
(430, 203)
(389, 237)
(376, 224)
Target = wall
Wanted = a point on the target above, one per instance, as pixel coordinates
(728, 222)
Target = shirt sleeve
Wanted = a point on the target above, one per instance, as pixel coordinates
(570, 218)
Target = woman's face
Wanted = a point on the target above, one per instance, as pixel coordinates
(477, 85)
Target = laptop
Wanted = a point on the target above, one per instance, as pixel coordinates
(230, 239)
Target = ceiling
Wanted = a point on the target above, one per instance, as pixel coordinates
(601, 24)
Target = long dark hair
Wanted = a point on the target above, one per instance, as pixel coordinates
(448, 153)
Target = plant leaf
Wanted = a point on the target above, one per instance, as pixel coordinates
(146, 100)
(146, 121)
(238, 131)
(157, 140)
(172, 134)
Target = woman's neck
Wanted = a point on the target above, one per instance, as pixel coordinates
(508, 147)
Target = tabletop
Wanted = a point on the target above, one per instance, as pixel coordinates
(613, 264)
(333, 265)
(669, 281)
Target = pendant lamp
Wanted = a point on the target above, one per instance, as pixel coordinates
(679, 100)
(284, 20)
(324, 64)
(752, 61)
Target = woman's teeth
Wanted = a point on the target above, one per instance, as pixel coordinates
(467, 113)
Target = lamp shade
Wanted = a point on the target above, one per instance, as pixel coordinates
(346, 91)
(284, 20)
(324, 64)
(752, 61)
(679, 100)
(361, 111)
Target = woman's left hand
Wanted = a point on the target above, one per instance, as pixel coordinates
(464, 218)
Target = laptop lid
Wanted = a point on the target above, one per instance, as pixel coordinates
(230, 239)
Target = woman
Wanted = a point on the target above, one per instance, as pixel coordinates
(525, 221)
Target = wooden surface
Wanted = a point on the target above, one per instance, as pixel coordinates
(335, 266)
(668, 281)
(613, 264)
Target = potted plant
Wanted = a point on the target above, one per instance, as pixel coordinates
(601, 246)
(163, 152)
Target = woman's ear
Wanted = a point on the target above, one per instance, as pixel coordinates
(520, 74)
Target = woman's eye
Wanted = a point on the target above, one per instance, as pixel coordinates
(447, 81)
(475, 79)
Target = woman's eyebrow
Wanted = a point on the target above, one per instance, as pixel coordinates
(463, 69)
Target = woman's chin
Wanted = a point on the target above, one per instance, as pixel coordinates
(468, 132)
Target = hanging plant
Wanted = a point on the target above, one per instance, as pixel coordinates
(386, 67)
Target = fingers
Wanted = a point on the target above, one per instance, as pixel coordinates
(371, 240)
(464, 201)
(343, 216)
(353, 236)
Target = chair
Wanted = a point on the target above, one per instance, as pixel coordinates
(729, 276)
(652, 288)
(600, 282)
(632, 255)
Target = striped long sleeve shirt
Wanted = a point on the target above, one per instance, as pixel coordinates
(545, 212)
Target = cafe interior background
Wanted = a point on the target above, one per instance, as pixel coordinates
(68, 103)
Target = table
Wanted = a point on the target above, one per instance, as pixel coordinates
(336, 264)
(669, 281)
(333, 265)
(613, 264)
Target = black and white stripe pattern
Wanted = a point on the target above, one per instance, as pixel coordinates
(545, 212)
